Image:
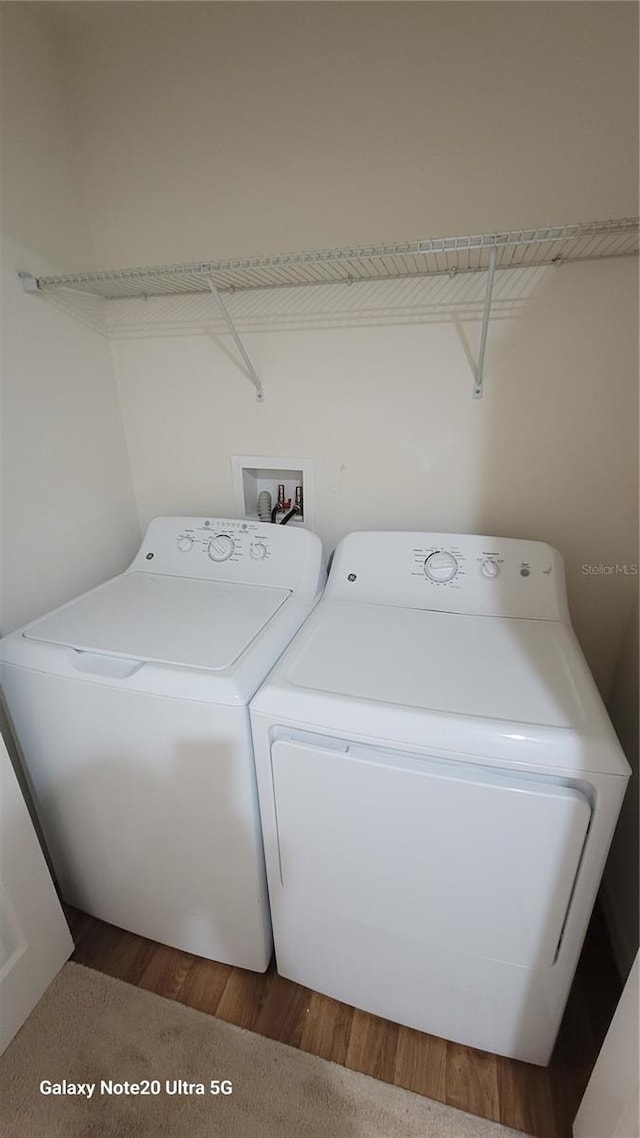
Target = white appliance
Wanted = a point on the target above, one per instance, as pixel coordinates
(439, 783)
(130, 705)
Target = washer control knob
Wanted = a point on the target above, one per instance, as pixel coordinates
(258, 550)
(221, 547)
(185, 543)
(489, 568)
(441, 566)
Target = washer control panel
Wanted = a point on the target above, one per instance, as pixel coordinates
(233, 549)
(463, 573)
(226, 539)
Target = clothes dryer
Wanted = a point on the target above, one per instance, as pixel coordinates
(439, 783)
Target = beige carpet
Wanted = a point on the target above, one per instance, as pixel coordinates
(88, 1028)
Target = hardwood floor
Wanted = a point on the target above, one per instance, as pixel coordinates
(541, 1102)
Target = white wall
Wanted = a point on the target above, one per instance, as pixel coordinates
(215, 129)
(68, 514)
(222, 129)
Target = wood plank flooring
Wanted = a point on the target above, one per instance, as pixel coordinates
(541, 1102)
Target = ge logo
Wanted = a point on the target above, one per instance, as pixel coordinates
(149, 556)
(352, 577)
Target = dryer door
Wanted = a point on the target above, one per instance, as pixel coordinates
(457, 856)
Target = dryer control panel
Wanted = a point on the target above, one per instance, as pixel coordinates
(451, 572)
(233, 549)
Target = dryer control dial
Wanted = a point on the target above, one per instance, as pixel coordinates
(441, 566)
(185, 543)
(221, 547)
(489, 568)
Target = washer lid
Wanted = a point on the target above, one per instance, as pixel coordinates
(488, 667)
(167, 620)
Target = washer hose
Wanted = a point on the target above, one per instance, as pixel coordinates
(264, 506)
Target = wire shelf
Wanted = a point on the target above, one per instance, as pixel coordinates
(527, 247)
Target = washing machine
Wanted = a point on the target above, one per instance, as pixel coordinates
(439, 783)
(130, 707)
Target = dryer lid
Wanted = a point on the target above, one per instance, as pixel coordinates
(165, 620)
(488, 667)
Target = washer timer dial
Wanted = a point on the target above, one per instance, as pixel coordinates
(441, 566)
(221, 547)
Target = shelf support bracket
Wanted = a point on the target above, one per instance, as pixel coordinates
(478, 386)
(29, 282)
(253, 376)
